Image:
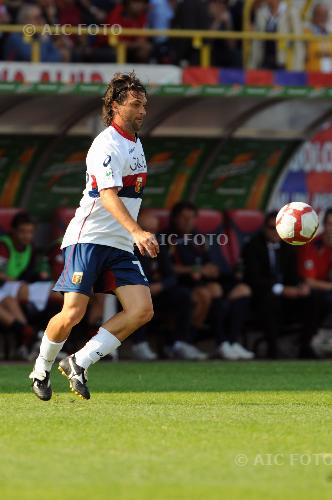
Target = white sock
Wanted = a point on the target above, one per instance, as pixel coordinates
(100, 345)
(47, 353)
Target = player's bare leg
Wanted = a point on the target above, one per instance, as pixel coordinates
(137, 310)
(56, 333)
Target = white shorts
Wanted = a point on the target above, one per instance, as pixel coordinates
(10, 289)
(38, 292)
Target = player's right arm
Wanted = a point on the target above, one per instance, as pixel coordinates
(145, 241)
(105, 164)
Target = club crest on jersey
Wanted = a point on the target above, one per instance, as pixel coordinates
(107, 161)
(76, 278)
(138, 184)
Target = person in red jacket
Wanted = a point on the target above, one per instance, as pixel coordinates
(132, 14)
(315, 266)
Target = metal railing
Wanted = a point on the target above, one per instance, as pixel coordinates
(200, 39)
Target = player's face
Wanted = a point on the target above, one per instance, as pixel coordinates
(186, 221)
(24, 234)
(133, 111)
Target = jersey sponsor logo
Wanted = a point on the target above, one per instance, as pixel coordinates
(107, 161)
(138, 163)
(109, 173)
(131, 150)
(77, 278)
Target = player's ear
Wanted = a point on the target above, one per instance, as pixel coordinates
(115, 108)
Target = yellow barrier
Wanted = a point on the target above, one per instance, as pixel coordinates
(200, 39)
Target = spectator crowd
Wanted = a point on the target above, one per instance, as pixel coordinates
(273, 303)
(270, 16)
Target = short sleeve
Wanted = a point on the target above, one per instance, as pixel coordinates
(105, 164)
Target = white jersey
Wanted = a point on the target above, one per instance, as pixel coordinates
(114, 159)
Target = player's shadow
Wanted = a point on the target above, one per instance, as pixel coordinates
(212, 376)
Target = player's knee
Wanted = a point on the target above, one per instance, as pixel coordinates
(73, 315)
(143, 314)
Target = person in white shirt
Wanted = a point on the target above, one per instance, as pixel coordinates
(98, 243)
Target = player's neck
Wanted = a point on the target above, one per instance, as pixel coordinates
(123, 129)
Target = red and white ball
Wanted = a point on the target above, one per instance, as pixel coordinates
(297, 223)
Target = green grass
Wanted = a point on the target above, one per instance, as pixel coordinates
(170, 431)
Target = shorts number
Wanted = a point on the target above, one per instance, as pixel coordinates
(137, 262)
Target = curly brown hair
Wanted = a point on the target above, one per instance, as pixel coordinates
(117, 91)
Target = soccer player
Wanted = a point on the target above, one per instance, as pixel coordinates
(98, 243)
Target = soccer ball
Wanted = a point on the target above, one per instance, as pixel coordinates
(297, 223)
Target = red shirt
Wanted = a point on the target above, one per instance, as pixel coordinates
(4, 256)
(118, 16)
(315, 260)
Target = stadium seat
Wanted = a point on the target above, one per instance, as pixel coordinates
(162, 215)
(61, 219)
(241, 225)
(208, 220)
(6, 216)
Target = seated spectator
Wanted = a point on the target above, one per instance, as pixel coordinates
(319, 54)
(20, 263)
(161, 13)
(315, 265)
(14, 321)
(16, 48)
(225, 53)
(191, 15)
(270, 269)
(170, 299)
(133, 14)
(276, 16)
(196, 271)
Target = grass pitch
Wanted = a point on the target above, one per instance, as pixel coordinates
(170, 431)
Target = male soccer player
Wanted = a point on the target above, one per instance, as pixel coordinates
(98, 243)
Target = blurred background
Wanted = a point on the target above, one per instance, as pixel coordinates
(239, 123)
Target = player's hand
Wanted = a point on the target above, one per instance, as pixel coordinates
(146, 243)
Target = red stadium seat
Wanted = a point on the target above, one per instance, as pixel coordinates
(208, 220)
(6, 217)
(62, 217)
(242, 224)
(162, 215)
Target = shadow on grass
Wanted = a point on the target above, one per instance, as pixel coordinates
(212, 376)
